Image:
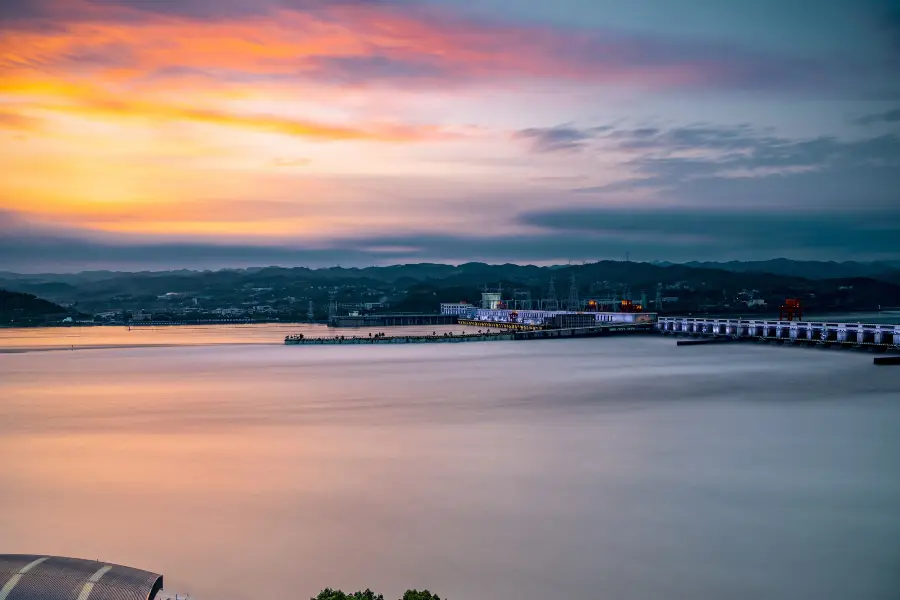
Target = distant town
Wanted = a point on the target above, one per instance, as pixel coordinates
(277, 294)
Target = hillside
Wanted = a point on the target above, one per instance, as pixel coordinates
(286, 292)
(22, 309)
(887, 271)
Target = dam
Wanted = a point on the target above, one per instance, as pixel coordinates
(504, 324)
(828, 334)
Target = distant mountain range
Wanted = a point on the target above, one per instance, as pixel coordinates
(888, 271)
(885, 270)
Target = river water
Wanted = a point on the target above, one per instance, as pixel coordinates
(621, 468)
(75, 338)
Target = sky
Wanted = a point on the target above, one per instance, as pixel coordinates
(149, 134)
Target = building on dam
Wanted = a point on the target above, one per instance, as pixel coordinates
(494, 310)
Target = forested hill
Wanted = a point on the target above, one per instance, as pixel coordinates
(20, 308)
(292, 292)
(886, 271)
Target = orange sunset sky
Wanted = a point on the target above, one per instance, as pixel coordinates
(196, 133)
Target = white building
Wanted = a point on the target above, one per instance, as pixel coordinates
(460, 309)
(539, 317)
(490, 300)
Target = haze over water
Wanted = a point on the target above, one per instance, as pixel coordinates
(621, 468)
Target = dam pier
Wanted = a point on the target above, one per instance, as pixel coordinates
(878, 337)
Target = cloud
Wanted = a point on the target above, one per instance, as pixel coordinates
(290, 162)
(19, 122)
(363, 69)
(369, 41)
(127, 10)
(740, 168)
(741, 231)
(667, 157)
(268, 123)
(890, 116)
(560, 137)
(94, 101)
(702, 136)
(888, 19)
(556, 236)
(699, 150)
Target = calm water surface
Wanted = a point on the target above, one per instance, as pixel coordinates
(59, 338)
(620, 468)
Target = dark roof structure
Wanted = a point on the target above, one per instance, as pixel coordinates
(36, 577)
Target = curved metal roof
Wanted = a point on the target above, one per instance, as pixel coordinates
(36, 577)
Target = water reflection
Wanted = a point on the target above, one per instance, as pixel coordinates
(617, 468)
(64, 338)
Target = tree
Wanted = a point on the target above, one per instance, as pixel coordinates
(330, 594)
(417, 595)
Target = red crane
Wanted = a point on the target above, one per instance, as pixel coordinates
(790, 309)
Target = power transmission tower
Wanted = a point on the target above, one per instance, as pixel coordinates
(573, 295)
(551, 302)
(310, 313)
(332, 305)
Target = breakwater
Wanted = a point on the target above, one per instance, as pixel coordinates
(506, 334)
(295, 340)
(500, 325)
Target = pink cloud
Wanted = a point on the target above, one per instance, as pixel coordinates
(350, 43)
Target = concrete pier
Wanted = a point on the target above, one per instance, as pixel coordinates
(508, 334)
(397, 339)
(500, 325)
(820, 333)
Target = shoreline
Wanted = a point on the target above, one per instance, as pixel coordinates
(725, 315)
(70, 348)
(154, 324)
